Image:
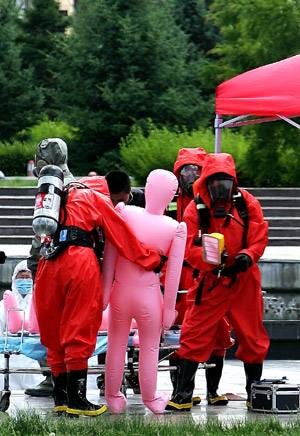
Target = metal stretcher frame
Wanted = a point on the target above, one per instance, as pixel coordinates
(29, 344)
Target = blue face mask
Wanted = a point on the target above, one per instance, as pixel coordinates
(24, 286)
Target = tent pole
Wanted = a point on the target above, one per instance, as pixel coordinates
(218, 132)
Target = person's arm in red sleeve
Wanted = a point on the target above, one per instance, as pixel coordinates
(122, 237)
(257, 234)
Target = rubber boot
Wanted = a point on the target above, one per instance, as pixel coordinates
(76, 392)
(174, 377)
(253, 373)
(174, 361)
(213, 377)
(182, 400)
(60, 393)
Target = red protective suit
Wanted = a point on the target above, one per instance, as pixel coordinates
(240, 300)
(68, 290)
(186, 156)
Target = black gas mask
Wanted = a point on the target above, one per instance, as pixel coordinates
(219, 187)
(188, 174)
(38, 165)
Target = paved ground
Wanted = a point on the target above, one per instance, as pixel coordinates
(233, 382)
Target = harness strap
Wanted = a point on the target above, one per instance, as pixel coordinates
(65, 236)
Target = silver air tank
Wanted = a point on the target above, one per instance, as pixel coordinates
(47, 201)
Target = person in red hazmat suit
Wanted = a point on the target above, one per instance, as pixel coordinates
(231, 289)
(187, 169)
(136, 293)
(68, 290)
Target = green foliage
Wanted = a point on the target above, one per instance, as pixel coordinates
(42, 26)
(48, 129)
(276, 164)
(131, 63)
(20, 99)
(14, 157)
(158, 148)
(110, 160)
(15, 154)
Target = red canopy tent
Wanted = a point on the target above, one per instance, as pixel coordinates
(271, 91)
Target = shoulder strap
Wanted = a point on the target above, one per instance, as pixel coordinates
(240, 204)
(203, 219)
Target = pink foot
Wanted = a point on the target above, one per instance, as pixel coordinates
(158, 404)
(116, 403)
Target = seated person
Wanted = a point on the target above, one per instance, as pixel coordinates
(21, 294)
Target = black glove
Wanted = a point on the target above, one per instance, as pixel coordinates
(243, 261)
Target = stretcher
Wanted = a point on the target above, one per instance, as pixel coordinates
(29, 345)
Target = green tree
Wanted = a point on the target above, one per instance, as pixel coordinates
(20, 99)
(256, 33)
(191, 16)
(142, 153)
(126, 61)
(41, 27)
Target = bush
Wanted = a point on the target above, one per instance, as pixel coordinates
(14, 157)
(158, 148)
(48, 129)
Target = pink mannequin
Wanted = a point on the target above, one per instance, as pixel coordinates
(136, 292)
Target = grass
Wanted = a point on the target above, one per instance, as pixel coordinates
(33, 424)
(17, 182)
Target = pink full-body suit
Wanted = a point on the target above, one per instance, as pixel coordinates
(136, 292)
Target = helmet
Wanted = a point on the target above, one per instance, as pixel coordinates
(188, 174)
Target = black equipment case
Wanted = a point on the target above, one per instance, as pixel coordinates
(275, 396)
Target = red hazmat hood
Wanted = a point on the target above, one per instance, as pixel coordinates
(264, 91)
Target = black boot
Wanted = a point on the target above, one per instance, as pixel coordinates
(76, 391)
(60, 393)
(213, 377)
(174, 361)
(253, 373)
(43, 389)
(174, 377)
(182, 399)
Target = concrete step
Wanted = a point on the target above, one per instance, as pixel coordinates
(283, 221)
(274, 192)
(279, 201)
(284, 231)
(16, 240)
(10, 200)
(13, 220)
(20, 191)
(16, 230)
(284, 241)
(287, 212)
(16, 210)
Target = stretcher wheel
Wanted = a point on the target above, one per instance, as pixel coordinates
(4, 400)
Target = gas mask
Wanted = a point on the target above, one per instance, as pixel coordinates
(219, 187)
(188, 174)
(39, 164)
(50, 151)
